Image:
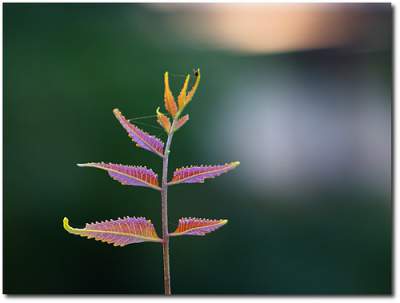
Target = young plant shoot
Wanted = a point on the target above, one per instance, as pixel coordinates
(129, 230)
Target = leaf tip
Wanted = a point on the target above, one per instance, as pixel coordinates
(236, 163)
(66, 225)
(81, 164)
(166, 80)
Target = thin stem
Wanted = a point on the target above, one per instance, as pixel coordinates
(164, 213)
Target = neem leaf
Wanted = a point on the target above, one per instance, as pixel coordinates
(181, 122)
(163, 120)
(197, 174)
(128, 175)
(169, 99)
(194, 87)
(197, 227)
(119, 232)
(182, 95)
(140, 137)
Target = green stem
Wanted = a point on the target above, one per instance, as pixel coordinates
(164, 212)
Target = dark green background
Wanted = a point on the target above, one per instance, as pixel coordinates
(67, 66)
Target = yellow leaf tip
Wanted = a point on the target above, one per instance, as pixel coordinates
(236, 163)
(66, 224)
(166, 78)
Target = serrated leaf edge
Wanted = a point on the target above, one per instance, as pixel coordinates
(76, 231)
(233, 164)
(118, 113)
(96, 165)
(220, 222)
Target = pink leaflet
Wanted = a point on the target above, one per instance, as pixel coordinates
(181, 122)
(197, 227)
(140, 137)
(128, 175)
(197, 174)
(119, 232)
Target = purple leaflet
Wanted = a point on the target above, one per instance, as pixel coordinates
(197, 174)
(128, 175)
(140, 137)
(119, 232)
(197, 227)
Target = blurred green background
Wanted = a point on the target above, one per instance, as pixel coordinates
(305, 108)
